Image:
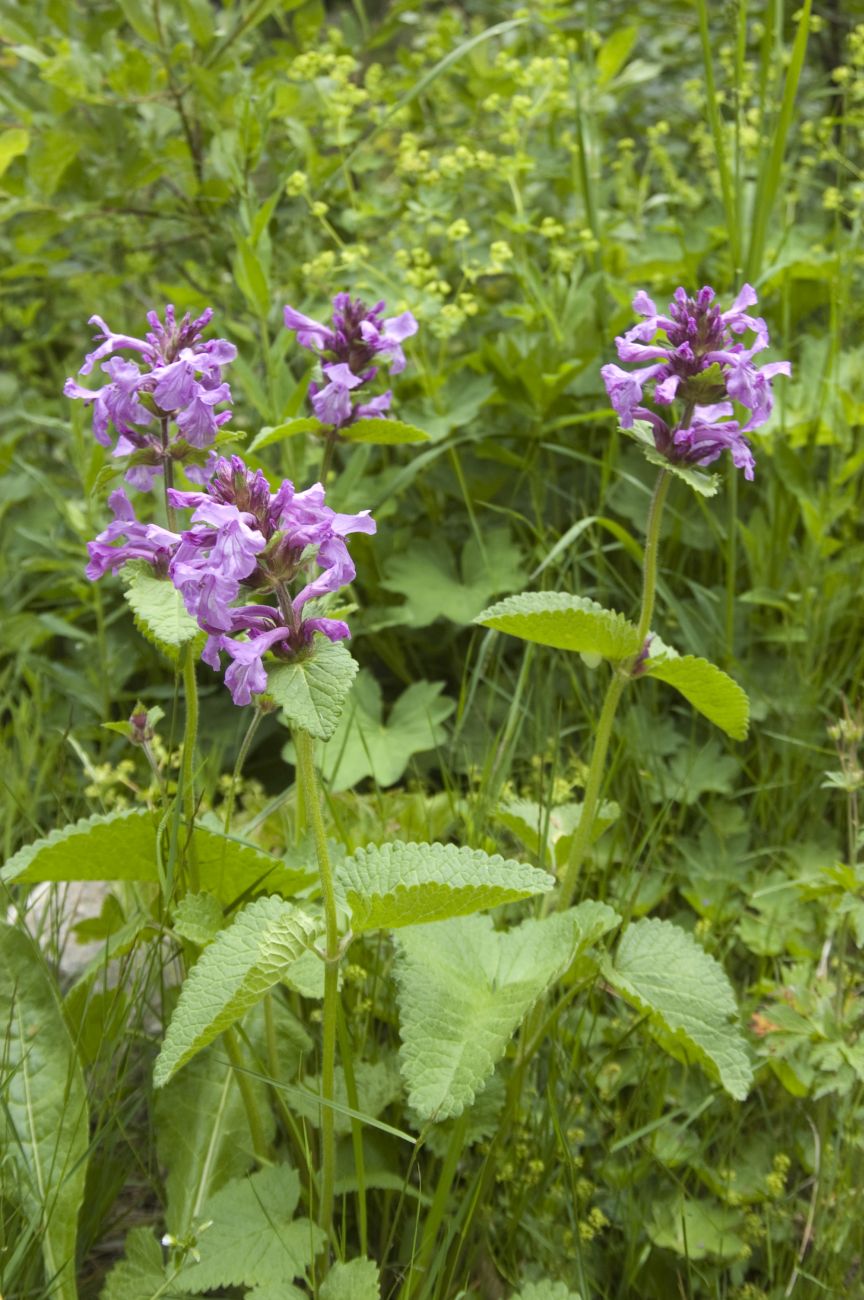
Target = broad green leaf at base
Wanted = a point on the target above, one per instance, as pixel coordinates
(392, 885)
(661, 969)
(565, 623)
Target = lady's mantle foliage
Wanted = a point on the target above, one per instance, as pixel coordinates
(351, 351)
(176, 380)
(243, 539)
(702, 365)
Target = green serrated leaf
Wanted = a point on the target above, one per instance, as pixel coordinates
(427, 577)
(288, 429)
(708, 689)
(363, 744)
(312, 692)
(44, 1126)
(705, 484)
(661, 969)
(160, 614)
(198, 918)
(142, 1273)
(110, 846)
(253, 1239)
(392, 885)
(386, 433)
(356, 1280)
(463, 989)
(564, 622)
(232, 974)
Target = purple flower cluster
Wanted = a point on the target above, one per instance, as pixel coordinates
(704, 367)
(243, 539)
(177, 380)
(351, 351)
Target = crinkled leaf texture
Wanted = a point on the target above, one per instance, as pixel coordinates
(386, 433)
(44, 1127)
(565, 623)
(231, 975)
(356, 1280)
(464, 988)
(198, 917)
(122, 846)
(157, 605)
(391, 885)
(311, 692)
(697, 479)
(253, 1239)
(661, 969)
(720, 699)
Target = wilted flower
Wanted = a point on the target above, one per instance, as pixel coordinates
(177, 379)
(704, 366)
(351, 350)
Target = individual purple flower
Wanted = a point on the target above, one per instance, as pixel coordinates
(142, 541)
(175, 378)
(702, 365)
(359, 340)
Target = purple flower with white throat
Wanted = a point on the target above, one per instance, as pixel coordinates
(175, 378)
(696, 372)
(351, 350)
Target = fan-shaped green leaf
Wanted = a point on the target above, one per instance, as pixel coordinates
(564, 622)
(708, 689)
(387, 433)
(464, 988)
(142, 1273)
(232, 974)
(160, 614)
(554, 827)
(356, 1280)
(44, 1128)
(253, 1239)
(699, 1229)
(661, 969)
(311, 692)
(392, 885)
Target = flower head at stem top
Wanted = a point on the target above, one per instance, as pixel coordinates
(173, 378)
(359, 340)
(698, 367)
(243, 542)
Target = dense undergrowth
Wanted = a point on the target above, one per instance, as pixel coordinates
(512, 175)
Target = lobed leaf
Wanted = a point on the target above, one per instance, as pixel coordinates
(44, 1126)
(661, 969)
(565, 623)
(463, 988)
(231, 975)
(711, 691)
(356, 1280)
(392, 885)
(311, 692)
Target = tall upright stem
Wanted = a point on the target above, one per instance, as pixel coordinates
(187, 770)
(304, 749)
(614, 691)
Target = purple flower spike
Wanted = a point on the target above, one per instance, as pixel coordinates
(702, 366)
(351, 350)
(143, 541)
(175, 378)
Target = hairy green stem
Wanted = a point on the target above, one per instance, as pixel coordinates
(614, 691)
(307, 780)
(190, 734)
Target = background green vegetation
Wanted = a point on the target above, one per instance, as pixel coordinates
(512, 175)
